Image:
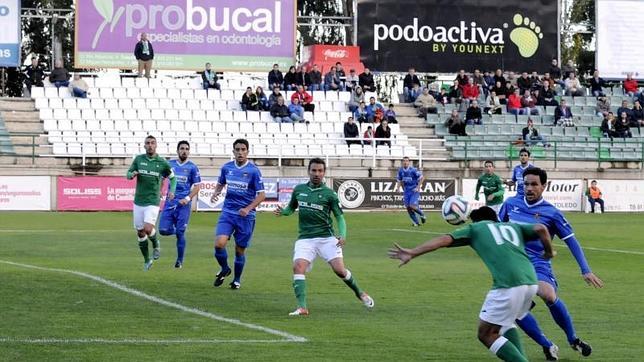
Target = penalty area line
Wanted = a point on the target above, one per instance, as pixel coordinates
(135, 341)
(287, 336)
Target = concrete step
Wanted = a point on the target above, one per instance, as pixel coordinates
(17, 116)
(22, 126)
(17, 104)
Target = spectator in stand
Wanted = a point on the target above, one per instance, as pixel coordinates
(302, 77)
(375, 111)
(59, 76)
(390, 114)
(509, 89)
(414, 92)
(594, 195)
(514, 103)
(531, 136)
(409, 82)
(366, 81)
(425, 104)
(597, 85)
(332, 81)
(279, 111)
(535, 81)
(624, 108)
(34, 74)
(473, 115)
(290, 79)
(573, 86)
(261, 97)
(352, 80)
(455, 125)
(275, 77)
(315, 79)
(341, 73)
(442, 97)
(144, 54)
(548, 78)
(547, 95)
(567, 69)
(357, 97)
(351, 131)
(640, 97)
(529, 104)
(306, 100)
(563, 115)
(272, 99)
(637, 115)
(78, 87)
(608, 126)
(209, 78)
(455, 94)
(555, 72)
(368, 136)
(493, 104)
(360, 114)
(249, 101)
(603, 106)
(470, 92)
(499, 90)
(295, 110)
(630, 85)
(622, 126)
(479, 80)
(461, 78)
(499, 77)
(524, 83)
(383, 132)
(488, 77)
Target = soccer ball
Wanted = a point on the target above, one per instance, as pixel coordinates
(456, 210)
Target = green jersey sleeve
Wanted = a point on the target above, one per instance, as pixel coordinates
(528, 231)
(462, 236)
(133, 167)
(335, 205)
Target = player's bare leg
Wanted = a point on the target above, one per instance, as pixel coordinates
(300, 266)
(341, 271)
(222, 258)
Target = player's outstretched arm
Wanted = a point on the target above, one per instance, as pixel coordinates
(173, 186)
(578, 254)
(342, 229)
(216, 193)
(405, 255)
(544, 236)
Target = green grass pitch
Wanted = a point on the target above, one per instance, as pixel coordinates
(427, 310)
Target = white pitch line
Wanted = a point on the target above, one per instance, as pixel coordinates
(556, 244)
(288, 337)
(59, 231)
(136, 341)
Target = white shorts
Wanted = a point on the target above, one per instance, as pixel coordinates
(504, 306)
(144, 215)
(308, 249)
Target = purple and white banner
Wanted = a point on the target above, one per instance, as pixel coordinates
(185, 34)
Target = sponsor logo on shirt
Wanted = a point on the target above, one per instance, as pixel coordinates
(308, 205)
(237, 185)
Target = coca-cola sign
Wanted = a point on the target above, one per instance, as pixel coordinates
(335, 54)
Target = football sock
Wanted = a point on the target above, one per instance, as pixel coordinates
(507, 351)
(154, 239)
(513, 336)
(143, 245)
(419, 212)
(240, 260)
(351, 283)
(531, 328)
(299, 287)
(181, 245)
(562, 317)
(413, 216)
(222, 258)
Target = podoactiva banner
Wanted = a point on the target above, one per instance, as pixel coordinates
(185, 34)
(448, 35)
(380, 193)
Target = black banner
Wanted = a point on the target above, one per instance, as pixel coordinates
(449, 35)
(380, 193)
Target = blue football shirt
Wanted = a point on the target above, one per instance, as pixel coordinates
(517, 177)
(517, 210)
(409, 178)
(243, 185)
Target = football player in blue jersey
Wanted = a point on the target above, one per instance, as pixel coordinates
(517, 171)
(410, 180)
(530, 209)
(244, 192)
(176, 212)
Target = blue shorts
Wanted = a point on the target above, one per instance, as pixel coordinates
(174, 219)
(545, 273)
(411, 198)
(238, 226)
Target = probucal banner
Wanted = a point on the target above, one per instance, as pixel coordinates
(449, 35)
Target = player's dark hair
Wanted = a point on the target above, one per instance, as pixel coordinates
(483, 213)
(318, 161)
(242, 141)
(150, 137)
(406, 158)
(488, 161)
(183, 142)
(543, 176)
(593, 181)
(524, 150)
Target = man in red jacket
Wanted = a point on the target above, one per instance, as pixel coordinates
(306, 100)
(630, 85)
